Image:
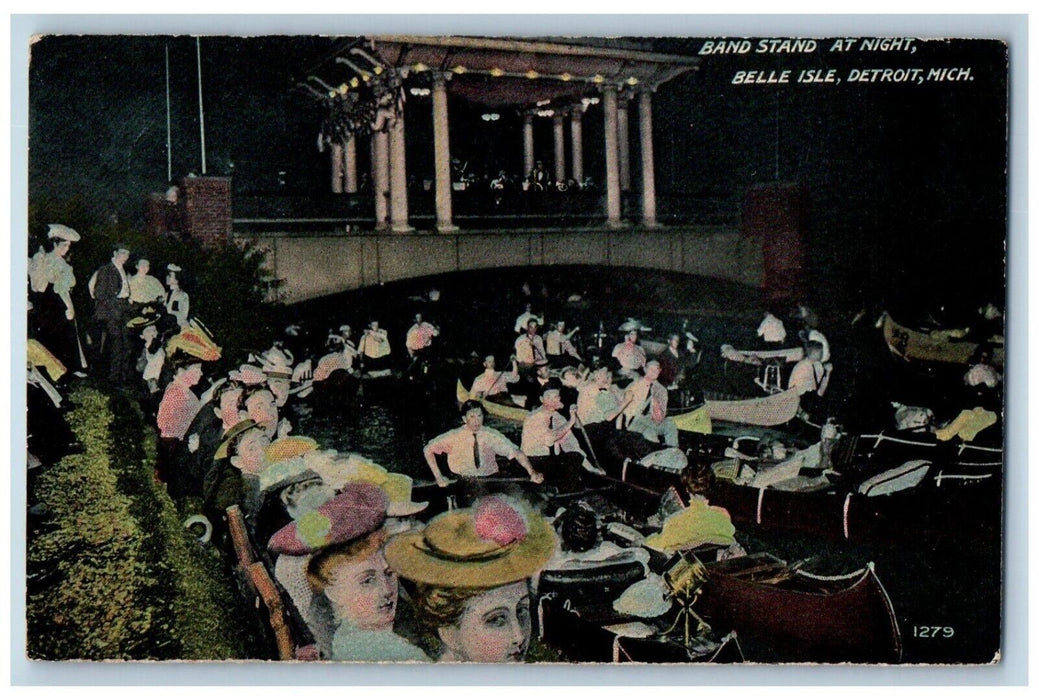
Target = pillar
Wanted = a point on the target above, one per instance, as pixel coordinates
(398, 177)
(649, 193)
(381, 177)
(442, 154)
(623, 150)
(336, 156)
(576, 152)
(528, 144)
(613, 189)
(350, 165)
(560, 149)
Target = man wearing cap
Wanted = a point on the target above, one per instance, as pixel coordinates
(473, 449)
(550, 444)
(110, 288)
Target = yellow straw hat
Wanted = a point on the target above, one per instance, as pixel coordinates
(287, 448)
(491, 544)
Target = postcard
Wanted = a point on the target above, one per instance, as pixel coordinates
(564, 350)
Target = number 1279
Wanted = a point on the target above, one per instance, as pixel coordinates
(932, 631)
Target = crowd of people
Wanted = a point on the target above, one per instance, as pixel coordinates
(340, 531)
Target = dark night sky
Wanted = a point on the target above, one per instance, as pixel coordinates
(906, 183)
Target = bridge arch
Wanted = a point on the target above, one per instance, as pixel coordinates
(314, 265)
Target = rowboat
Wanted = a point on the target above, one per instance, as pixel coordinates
(765, 411)
(936, 346)
(510, 411)
(785, 614)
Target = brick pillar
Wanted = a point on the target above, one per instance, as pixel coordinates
(206, 205)
(773, 212)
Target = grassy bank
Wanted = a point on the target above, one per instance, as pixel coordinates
(112, 574)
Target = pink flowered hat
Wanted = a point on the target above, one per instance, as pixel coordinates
(358, 510)
(491, 544)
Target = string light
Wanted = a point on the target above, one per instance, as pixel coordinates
(497, 72)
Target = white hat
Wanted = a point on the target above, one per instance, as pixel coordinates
(173, 267)
(63, 232)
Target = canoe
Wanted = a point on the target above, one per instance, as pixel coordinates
(765, 411)
(784, 614)
(936, 346)
(510, 412)
(949, 504)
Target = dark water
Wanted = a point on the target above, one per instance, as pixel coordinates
(935, 583)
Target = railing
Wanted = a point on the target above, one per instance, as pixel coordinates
(472, 209)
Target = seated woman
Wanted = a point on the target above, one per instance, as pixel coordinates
(349, 576)
(473, 570)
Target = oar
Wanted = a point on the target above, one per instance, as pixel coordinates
(591, 450)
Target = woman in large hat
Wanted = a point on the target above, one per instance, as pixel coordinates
(351, 583)
(52, 320)
(472, 569)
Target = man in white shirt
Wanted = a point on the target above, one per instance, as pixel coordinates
(527, 316)
(473, 449)
(375, 347)
(530, 347)
(420, 336)
(810, 374)
(630, 355)
(647, 412)
(492, 382)
(771, 329)
(550, 444)
(558, 345)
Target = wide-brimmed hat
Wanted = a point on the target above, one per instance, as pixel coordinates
(148, 316)
(233, 432)
(249, 375)
(358, 510)
(693, 526)
(62, 232)
(491, 544)
(285, 473)
(286, 448)
(357, 468)
(195, 341)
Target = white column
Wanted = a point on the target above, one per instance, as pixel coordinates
(398, 177)
(649, 194)
(442, 154)
(613, 189)
(528, 144)
(381, 177)
(336, 156)
(576, 150)
(350, 165)
(560, 147)
(622, 143)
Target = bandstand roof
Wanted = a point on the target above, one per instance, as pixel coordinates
(521, 73)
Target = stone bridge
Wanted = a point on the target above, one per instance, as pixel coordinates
(318, 264)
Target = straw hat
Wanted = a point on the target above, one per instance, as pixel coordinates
(249, 375)
(286, 448)
(235, 430)
(358, 511)
(194, 341)
(398, 487)
(489, 545)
